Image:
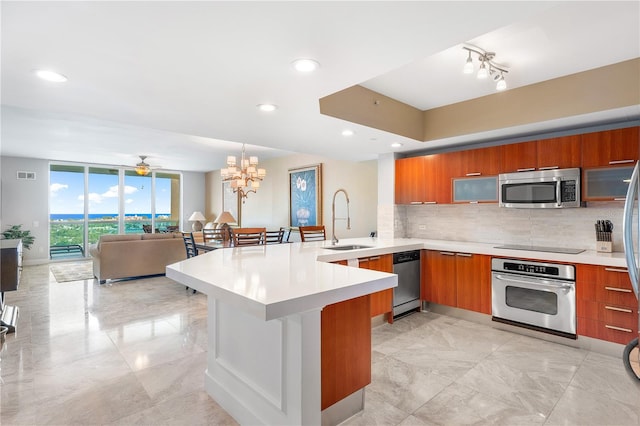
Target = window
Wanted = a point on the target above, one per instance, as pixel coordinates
(86, 202)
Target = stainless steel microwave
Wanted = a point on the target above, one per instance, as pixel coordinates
(544, 189)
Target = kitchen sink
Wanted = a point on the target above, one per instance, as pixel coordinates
(349, 247)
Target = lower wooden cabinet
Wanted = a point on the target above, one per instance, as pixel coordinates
(461, 280)
(607, 308)
(381, 301)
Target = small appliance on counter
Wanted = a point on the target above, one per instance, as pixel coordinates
(604, 240)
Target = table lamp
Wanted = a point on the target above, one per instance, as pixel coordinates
(223, 221)
(197, 218)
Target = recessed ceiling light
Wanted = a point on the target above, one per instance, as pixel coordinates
(347, 132)
(305, 65)
(51, 76)
(396, 145)
(267, 107)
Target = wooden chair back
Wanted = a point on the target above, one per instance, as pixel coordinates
(146, 229)
(287, 234)
(189, 244)
(248, 236)
(213, 235)
(274, 237)
(312, 233)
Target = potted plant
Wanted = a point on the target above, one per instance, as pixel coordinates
(15, 232)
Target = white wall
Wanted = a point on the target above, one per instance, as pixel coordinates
(27, 202)
(270, 205)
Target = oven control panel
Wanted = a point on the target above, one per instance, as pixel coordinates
(538, 269)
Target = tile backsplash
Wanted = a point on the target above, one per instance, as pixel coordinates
(488, 223)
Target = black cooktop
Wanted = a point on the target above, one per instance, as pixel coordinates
(539, 248)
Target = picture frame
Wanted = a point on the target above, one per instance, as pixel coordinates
(305, 196)
(231, 202)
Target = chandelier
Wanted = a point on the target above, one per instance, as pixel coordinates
(244, 178)
(143, 168)
(487, 67)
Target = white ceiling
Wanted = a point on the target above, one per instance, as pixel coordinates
(175, 80)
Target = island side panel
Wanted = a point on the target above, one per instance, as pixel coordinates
(264, 372)
(346, 349)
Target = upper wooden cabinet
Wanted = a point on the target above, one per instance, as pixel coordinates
(422, 180)
(559, 153)
(410, 183)
(479, 162)
(519, 157)
(611, 147)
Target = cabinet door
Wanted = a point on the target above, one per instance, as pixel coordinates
(606, 183)
(611, 147)
(474, 190)
(560, 153)
(440, 279)
(381, 301)
(473, 272)
(409, 185)
(481, 162)
(519, 157)
(436, 184)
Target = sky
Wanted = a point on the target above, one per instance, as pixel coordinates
(66, 193)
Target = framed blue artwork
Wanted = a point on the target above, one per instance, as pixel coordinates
(305, 196)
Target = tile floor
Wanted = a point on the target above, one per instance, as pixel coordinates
(134, 352)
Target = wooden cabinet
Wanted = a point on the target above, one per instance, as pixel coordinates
(607, 308)
(479, 162)
(473, 278)
(559, 153)
(345, 346)
(519, 157)
(456, 279)
(381, 301)
(611, 147)
(422, 180)
(410, 182)
(10, 264)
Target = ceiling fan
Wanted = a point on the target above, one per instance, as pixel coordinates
(142, 168)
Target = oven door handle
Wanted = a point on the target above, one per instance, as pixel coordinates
(537, 282)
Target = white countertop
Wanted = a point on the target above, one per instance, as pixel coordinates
(277, 280)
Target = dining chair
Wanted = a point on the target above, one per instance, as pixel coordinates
(213, 235)
(312, 233)
(248, 236)
(146, 229)
(274, 237)
(190, 247)
(287, 233)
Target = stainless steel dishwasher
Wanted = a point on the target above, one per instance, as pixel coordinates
(406, 297)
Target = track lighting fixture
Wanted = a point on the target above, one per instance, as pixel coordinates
(487, 66)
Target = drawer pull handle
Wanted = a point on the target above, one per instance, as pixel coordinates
(613, 327)
(474, 174)
(430, 202)
(529, 169)
(621, 290)
(620, 199)
(374, 258)
(415, 202)
(464, 254)
(616, 270)
(621, 161)
(613, 308)
(446, 253)
(548, 168)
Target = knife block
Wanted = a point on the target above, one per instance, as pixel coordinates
(605, 246)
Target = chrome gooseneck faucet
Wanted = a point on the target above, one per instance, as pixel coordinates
(334, 239)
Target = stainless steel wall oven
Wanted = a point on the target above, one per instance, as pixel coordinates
(535, 295)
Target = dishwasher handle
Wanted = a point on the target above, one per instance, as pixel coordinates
(406, 256)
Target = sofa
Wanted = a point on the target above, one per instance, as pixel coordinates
(135, 255)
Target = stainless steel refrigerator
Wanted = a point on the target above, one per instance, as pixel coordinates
(631, 355)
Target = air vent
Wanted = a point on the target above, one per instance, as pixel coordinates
(26, 175)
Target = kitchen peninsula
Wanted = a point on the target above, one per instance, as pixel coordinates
(266, 325)
(275, 315)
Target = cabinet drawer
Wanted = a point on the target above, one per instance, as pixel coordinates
(606, 331)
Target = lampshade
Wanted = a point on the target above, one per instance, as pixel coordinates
(225, 217)
(197, 217)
